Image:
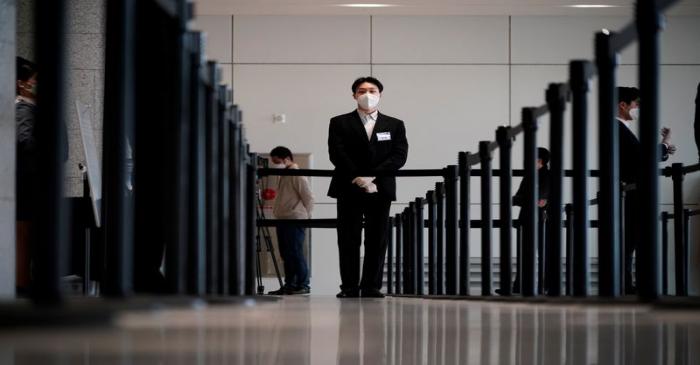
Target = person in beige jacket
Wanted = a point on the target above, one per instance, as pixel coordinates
(293, 200)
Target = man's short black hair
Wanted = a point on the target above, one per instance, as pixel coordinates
(282, 152)
(627, 94)
(543, 154)
(25, 70)
(369, 79)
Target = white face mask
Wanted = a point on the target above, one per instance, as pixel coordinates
(634, 114)
(368, 101)
(277, 166)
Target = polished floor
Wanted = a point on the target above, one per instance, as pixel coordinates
(325, 330)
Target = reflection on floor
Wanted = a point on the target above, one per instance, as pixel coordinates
(322, 330)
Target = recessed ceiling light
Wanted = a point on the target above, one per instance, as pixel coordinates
(366, 5)
(591, 6)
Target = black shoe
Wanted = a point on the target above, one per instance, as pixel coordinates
(371, 293)
(349, 293)
(299, 291)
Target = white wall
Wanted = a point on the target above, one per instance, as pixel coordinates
(85, 54)
(452, 79)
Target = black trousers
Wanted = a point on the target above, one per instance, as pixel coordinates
(631, 236)
(353, 211)
(539, 251)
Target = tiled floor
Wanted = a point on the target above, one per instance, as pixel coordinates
(324, 330)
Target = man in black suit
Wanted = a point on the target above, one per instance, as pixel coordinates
(518, 200)
(361, 142)
(630, 150)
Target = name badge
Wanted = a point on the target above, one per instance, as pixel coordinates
(384, 136)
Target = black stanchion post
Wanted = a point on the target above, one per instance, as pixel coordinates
(686, 249)
(648, 26)
(679, 229)
(569, 211)
(238, 204)
(118, 130)
(505, 143)
(432, 242)
(390, 257)
(530, 224)
(196, 253)
(212, 178)
(51, 241)
(664, 253)
(235, 182)
(622, 265)
(399, 258)
(486, 217)
(251, 226)
(407, 252)
(440, 206)
(413, 246)
(518, 253)
(177, 244)
(556, 101)
(224, 189)
(418, 227)
(451, 254)
(579, 72)
(464, 180)
(609, 181)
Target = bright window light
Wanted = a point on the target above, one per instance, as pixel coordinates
(591, 6)
(366, 5)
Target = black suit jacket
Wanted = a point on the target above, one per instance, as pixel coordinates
(352, 153)
(542, 186)
(630, 154)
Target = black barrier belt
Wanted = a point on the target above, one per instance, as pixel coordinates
(398, 173)
(331, 173)
(332, 223)
(626, 188)
(692, 213)
(689, 213)
(668, 170)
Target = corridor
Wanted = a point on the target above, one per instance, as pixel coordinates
(324, 330)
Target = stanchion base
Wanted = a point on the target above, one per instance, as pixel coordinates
(101, 311)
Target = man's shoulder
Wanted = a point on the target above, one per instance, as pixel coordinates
(352, 114)
(23, 106)
(390, 119)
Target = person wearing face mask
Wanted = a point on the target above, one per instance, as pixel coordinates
(294, 200)
(358, 142)
(630, 152)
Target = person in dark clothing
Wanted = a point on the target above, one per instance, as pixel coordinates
(630, 150)
(361, 141)
(27, 169)
(26, 162)
(543, 195)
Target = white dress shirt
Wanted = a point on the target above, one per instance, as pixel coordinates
(368, 120)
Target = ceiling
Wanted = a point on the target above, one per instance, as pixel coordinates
(429, 7)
